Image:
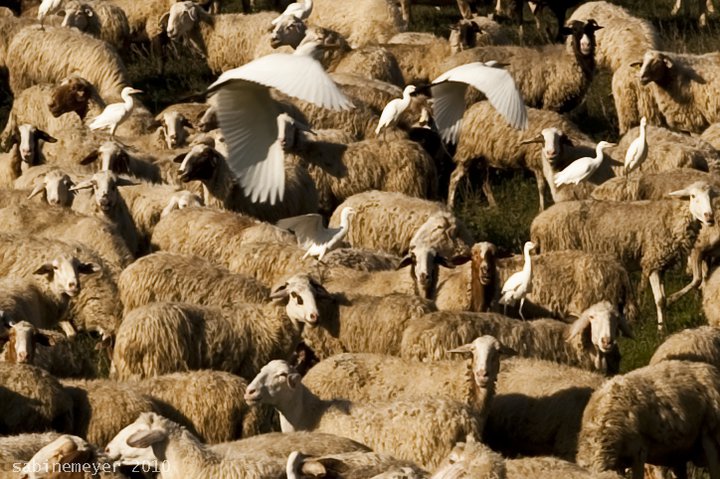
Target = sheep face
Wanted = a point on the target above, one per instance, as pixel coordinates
(105, 189)
(289, 30)
(28, 138)
(286, 131)
(209, 120)
(119, 452)
(56, 186)
(483, 255)
(583, 36)
(63, 274)
(173, 127)
(77, 15)
(180, 200)
(424, 264)
(656, 68)
(21, 340)
(553, 142)
(700, 195)
(601, 324)
(276, 380)
(63, 450)
(300, 291)
(486, 351)
(182, 19)
(463, 35)
(73, 94)
(198, 164)
(113, 157)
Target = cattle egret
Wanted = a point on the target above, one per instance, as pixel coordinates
(300, 10)
(48, 7)
(312, 236)
(638, 150)
(247, 115)
(448, 92)
(582, 168)
(392, 111)
(519, 284)
(115, 114)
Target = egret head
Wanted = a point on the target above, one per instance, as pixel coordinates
(128, 90)
(643, 121)
(605, 144)
(409, 91)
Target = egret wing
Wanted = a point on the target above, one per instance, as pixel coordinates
(111, 114)
(513, 283)
(575, 172)
(448, 106)
(308, 229)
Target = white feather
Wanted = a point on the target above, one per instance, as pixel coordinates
(311, 234)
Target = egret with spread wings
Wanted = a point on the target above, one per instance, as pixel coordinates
(248, 115)
(448, 93)
(312, 236)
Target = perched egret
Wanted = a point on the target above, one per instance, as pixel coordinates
(519, 284)
(312, 236)
(638, 150)
(582, 168)
(115, 114)
(392, 111)
(48, 7)
(247, 115)
(300, 10)
(448, 92)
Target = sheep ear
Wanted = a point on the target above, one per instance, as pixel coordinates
(684, 193)
(170, 206)
(537, 139)
(46, 269)
(90, 158)
(88, 268)
(39, 188)
(668, 63)
(123, 163)
(186, 123)
(507, 351)
(407, 260)
(565, 31)
(43, 339)
(577, 327)
(293, 380)
(313, 468)
(179, 158)
(126, 182)
(625, 327)
(162, 23)
(279, 291)
(636, 64)
(465, 349)
(565, 140)
(83, 185)
(319, 289)
(147, 438)
(44, 136)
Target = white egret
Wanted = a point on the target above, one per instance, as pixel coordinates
(312, 236)
(116, 113)
(48, 7)
(638, 150)
(448, 92)
(392, 111)
(519, 284)
(582, 168)
(247, 115)
(300, 10)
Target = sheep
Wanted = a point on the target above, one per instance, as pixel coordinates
(96, 307)
(428, 430)
(54, 186)
(9, 26)
(183, 455)
(206, 164)
(224, 41)
(368, 464)
(45, 305)
(393, 222)
(193, 280)
(25, 152)
(711, 135)
(367, 21)
(701, 344)
(650, 186)
(671, 89)
(620, 423)
(161, 338)
(589, 342)
(635, 241)
(704, 10)
(37, 56)
(49, 350)
(377, 377)
(101, 408)
(34, 401)
(624, 37)
(21, 447)
(538, 408)
(474, 459)
(103, 20)
(710, 295)
(554, 77)
(120, 159)
(106, 203)
(172, 131)
(63, 224)
(342, 170)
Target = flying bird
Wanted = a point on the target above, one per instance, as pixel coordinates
(247, 115)
(48, 7)
(300, 10)
(582, 168)
(638, 150)
(116, 113)
(392, 111)
(519, 284)
(448, 93)
(312, 236)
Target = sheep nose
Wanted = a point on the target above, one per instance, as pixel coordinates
(313, 317)
(25, 153)
(423, 277)
(53, 201)
(710, 218)
(22, 356)
(606, 342)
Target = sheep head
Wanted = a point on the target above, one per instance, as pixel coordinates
(77, 15)
(301, 292)
(199, 163)
(486, 352)
(65, 449)
(181, 200)
(119, 452)
(471, 459)
(209, 119)
(73, 94)
(182, 19)
(113, 156)
(553, 141)
(28, 140)
(424, 262)
(22, 339)
(63, 274)
(289, 30)
(172, 128)
(700, 195)
(463, 35)
(582, 36)
(656, 67)
(151, 429)
(57, 187)
(275, 383)
(105, 185)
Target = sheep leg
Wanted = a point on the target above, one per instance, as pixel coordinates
(680, 471)
(676, 8)
(458, 173)
(638, 466)
(487, 189)
(696, 264)
(541, 184)
(659, 295)
(465, 10)
(405, 9)
(67, 328)
(711, 456)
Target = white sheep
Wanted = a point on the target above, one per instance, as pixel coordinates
(428, 429)
(100, 19)
(25, 151)
(363, 22)
(710, 295)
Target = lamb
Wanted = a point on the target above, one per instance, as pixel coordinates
(206, 164)
(710, 295)
(554, 77)
(34, 401)
(624, 37)
(96, 307)
(619, 427)
(634, 241)
(393, 222)
(538, 408)
(342, 170)
(45, 305)
(161, 338)
(103, 20)
(37, 56)
(369, 21)
(429, 429)
(225, 41)
(429, 338)
(193, 280)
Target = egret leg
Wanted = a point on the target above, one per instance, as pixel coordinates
(522, 301)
